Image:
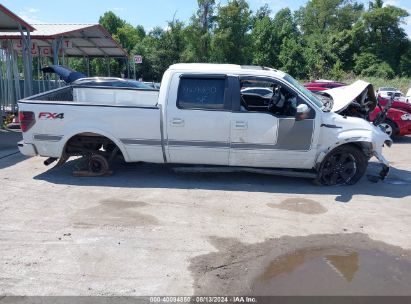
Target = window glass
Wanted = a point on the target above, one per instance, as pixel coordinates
(305, 91)
(201, 93)
(269, 96)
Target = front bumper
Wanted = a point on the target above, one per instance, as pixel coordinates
(26, 149)
(382, 175)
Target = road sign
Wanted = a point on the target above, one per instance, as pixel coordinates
(138, 59)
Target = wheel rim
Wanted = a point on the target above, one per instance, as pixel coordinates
(387, 128)
(339, 169)
(96, 166)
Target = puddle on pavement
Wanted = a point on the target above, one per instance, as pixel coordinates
(348, 264)
(301, 205)
(113, 212)
(334, 271)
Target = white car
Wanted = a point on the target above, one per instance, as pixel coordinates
(387, 92)
(196, 118)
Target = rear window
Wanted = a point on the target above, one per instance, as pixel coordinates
(201, 93)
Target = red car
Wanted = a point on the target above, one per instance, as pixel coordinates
(398, 122)
(322, 85)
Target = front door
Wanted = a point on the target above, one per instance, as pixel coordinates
(264, 131)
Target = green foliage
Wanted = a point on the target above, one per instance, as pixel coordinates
(380, 70)
(231, 41)
(337, 71)
(402, 83)
(111, 22)
(322, 39)
(198, 34)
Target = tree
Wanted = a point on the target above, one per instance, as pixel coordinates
(324, 38)
(291, 58)
(111, 22)
(384, 35)
(198, 33)
(323, 16)
(231, 42)
(265, 43)
(128, 36)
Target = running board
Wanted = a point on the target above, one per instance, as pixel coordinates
(278, 172)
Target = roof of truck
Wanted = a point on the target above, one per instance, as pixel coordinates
(212, 67)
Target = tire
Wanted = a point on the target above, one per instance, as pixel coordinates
(345, 165)
(98, 164)
(390, 128)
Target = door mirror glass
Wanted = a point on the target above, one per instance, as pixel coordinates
(302, 112)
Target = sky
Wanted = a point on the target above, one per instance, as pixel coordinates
(149, 13)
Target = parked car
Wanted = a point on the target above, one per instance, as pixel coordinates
(111, 82)
(398, 121)
(200, 116)
(322, 85)
(257, 90)
(154, 85)
(79, 79)
(387, 92)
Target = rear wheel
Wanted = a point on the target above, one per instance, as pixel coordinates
(344, 165)
(98, 164)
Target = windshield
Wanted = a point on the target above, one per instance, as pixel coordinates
(304, 90)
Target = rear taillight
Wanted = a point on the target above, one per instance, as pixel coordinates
(27, 120)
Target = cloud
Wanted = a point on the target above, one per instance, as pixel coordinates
(391, 2)
(30, 15)
(118, 9)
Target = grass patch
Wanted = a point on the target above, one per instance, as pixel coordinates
(403, 84)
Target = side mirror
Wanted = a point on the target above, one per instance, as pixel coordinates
(302, 112)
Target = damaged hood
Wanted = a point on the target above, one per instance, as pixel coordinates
(360, 93)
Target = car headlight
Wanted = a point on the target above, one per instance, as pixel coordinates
(406, 117)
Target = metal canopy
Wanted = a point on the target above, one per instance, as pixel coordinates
(77, 40)
(11, 22)
(9, 74)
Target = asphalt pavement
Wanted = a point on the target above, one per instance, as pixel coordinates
(8, 142)
(147, 230)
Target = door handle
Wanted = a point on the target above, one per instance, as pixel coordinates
(241, 125)
(178, 122)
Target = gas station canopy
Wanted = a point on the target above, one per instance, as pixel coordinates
(76, 40)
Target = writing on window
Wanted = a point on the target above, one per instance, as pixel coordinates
(201, 93)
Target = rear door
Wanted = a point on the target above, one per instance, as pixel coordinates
(198, 119)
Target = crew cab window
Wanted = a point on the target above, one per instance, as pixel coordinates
(201, 93)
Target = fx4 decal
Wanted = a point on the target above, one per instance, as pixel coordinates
(47, 115)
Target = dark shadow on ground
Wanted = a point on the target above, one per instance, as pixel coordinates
(8, 148)
(142, 175)
(402, 140)
(12, 159)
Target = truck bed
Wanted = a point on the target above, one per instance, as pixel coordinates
(130, 118)
(104, 96)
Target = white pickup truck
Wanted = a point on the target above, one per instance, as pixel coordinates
(218, 116)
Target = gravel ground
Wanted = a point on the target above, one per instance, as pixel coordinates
(149, 231)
